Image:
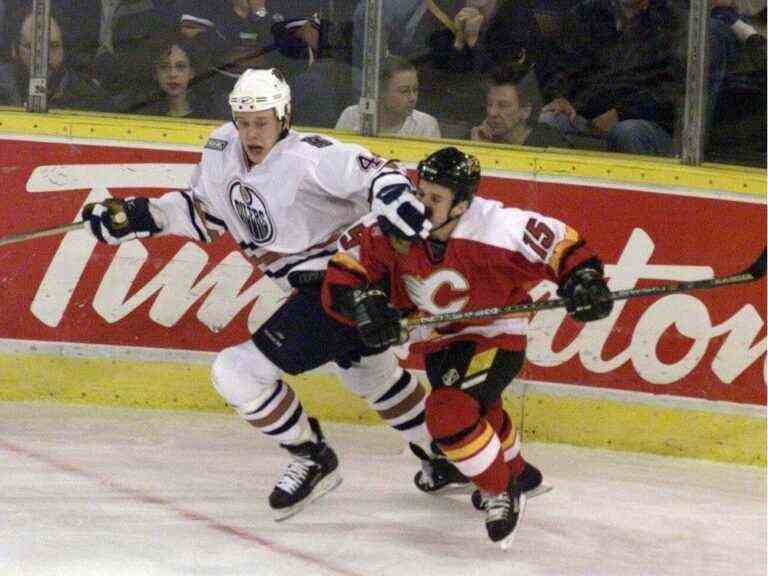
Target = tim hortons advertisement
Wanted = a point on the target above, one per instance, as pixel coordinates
(173, 293)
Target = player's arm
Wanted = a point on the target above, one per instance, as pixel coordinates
(571, 262)
(179, 213)
(350, 171)
(352, 292)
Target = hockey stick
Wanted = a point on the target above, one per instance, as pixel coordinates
(61, 229)
(754, 272)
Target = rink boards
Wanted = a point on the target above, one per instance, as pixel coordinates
(139, 325)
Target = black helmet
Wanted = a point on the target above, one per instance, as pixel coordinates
(451, 168)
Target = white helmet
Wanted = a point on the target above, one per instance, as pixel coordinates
(261, 90)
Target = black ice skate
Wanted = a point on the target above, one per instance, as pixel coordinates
(503, 514)
(437, 474)
(530, 482)
(313, 473)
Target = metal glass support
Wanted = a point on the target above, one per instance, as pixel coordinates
(372, 51)
(694, 121)
(38, 73)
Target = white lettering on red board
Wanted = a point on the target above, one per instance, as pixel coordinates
(178, 286)
(685, 312)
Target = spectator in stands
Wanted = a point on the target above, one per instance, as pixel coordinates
(180, 71)
(397, 109)
(67, 88)
(80, 21)
(130, 31)
(621, 76)
(125, 21)
(284, 34)
(489, 33)
(258, 33)
(512, 108)
(453, 43)
(727, 12)
(409, 26)
(738, 111)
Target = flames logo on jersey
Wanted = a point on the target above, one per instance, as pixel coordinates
(442, 292)
(252, 210)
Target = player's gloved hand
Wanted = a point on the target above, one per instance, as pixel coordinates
(587, 294)
(115, 221)
(377, 321)
(400, 213)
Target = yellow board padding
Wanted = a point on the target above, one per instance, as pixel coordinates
(163, 385)
(614, 425)
(591, 165)
(588, 422)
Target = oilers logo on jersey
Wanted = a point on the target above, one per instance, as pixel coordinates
(252, 210)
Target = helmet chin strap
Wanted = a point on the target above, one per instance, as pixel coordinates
(447, 221)
(428, 214)
(286, 128)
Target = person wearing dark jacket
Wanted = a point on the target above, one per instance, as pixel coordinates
(621, 76)
(67, 88)
(512, 107)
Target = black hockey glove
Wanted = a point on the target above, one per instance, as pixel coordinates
(586, 292)
(115, 221)
(377, 321)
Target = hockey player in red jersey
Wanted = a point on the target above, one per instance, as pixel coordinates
(479, 254)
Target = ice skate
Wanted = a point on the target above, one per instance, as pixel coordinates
(313, 472)
(503, 514)
(438, 475)
(530, 482)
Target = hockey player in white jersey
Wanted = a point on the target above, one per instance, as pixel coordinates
(284, 197)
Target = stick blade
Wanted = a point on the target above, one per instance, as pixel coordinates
(757, 270)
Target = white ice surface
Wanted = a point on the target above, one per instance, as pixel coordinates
(112, 492)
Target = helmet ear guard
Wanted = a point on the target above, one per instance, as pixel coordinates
(452, 168)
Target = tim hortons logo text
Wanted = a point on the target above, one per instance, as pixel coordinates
(179, 286)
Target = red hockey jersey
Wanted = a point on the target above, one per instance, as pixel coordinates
(493, 257)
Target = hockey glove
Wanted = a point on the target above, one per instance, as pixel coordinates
(586, 293)
(400, 213)
(377, 322)
(115, 221)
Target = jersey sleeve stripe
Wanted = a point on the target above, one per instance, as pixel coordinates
(348, 264)
(194, 218)
(215, 222)
(562, 248)
(287, 268)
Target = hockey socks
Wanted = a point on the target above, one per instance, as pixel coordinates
(467, 439)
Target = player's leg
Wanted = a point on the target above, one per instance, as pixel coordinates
(465, 416)
(467, 438)
(528, 476)
(398, 397)
(484, 375)
(296, 338)
(251, 384)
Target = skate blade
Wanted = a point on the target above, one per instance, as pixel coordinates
(506, 544)
(325, 485)
(539, 490)
(450, 489)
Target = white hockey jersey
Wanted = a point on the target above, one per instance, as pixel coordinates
(286, 212)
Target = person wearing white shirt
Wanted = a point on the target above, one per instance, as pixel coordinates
(397, 105)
